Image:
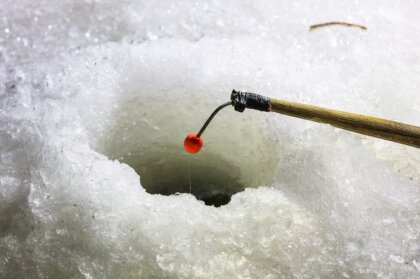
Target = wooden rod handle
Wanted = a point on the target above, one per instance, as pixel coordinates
(367, 125)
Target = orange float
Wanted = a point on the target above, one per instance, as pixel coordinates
(193, 143)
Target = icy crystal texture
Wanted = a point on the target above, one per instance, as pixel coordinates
(89, 89)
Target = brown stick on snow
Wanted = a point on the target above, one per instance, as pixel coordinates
(313, 27)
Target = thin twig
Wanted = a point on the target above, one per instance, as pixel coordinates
(313, 27)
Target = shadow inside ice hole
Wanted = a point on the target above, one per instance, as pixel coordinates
(209, 178)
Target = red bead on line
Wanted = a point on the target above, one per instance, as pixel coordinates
(192, 143)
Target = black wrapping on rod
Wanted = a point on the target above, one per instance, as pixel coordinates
(242, 100)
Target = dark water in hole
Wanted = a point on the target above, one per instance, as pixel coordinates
(211, 198)
(213, 180)
(217, 200)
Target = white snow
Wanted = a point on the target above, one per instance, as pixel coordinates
(88, 85)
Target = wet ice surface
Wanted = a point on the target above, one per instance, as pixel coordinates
(88, 85)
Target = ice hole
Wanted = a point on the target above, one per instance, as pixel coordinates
(209, 178)
(150, 140)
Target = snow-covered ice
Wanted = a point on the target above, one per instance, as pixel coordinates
(93, 91)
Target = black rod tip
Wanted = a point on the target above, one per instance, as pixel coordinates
(242, 100)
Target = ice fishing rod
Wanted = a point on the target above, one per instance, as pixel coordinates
(362, 124)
